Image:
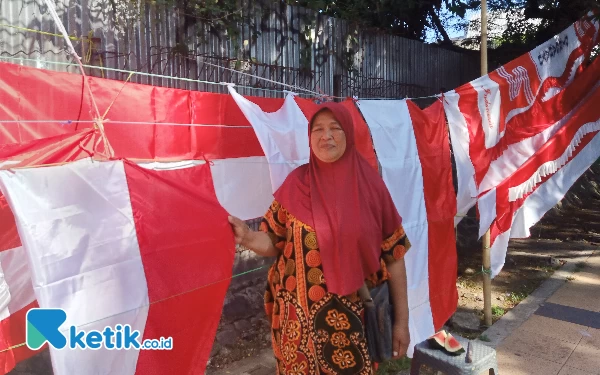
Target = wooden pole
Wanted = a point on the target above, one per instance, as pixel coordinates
(487, 277)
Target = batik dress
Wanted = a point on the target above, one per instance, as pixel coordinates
(314, 331)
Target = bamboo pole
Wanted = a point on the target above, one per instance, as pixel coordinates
(487, 277)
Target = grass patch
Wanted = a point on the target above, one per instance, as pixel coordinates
(484, 338)
(497, 311)
(393, 366)
(570, 278)
(516, 297)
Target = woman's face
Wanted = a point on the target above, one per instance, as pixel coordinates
(327, 138)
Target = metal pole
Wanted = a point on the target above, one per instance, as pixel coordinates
(487, 277)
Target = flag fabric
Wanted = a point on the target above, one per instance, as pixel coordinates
(111, 243)
(414, 151)
(500, 120)
(283, 134)
(218, 129)
(284, 138)
(230, 182)
(517, 203)
(16, 298)
(522, 214)
(240, 173)
(16, 290)
(521, 136)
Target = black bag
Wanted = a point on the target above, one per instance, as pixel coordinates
(379, 320)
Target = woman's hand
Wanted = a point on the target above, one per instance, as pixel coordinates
(259, 242)
(240, 229)
(401, 339)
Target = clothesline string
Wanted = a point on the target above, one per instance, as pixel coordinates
(109, 122)
(162, 161)
(152, 303)
(271, 81)
(138, 73)
(201, 81)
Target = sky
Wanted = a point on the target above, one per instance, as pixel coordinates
(452, 32)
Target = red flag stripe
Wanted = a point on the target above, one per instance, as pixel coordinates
(539, 117)
(13, 334)
(186, 245)
(433, 145)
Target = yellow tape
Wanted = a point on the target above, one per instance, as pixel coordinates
(38, 31)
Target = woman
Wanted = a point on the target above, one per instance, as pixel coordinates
(333, 227)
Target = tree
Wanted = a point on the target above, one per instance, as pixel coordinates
(407, 18)
(551, 17)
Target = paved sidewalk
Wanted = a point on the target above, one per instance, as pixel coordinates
(562, 335)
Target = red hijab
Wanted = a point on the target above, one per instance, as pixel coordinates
(347, 204)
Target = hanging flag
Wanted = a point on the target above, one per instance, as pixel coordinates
(16, 291)
(517, 203)
(230, 179)
(115, 244)
(221, 130)
(283, 134)
(500, 120)
(16, 298)
(414, 152)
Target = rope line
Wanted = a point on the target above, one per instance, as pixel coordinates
(67, 122)
(38, 31)
(116, 70)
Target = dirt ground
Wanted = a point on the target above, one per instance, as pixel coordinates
(571, 227)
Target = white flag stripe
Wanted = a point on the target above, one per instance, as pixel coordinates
(16, 290)
(543, 199)
(283, 135)
(62, 213)
(395, 144)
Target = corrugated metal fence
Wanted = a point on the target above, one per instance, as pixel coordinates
(280, 43)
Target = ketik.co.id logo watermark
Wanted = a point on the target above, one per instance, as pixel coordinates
(43, 326)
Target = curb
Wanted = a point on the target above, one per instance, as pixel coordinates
(523, 311)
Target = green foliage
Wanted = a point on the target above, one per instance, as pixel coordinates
(538, 21)
(406, 18)
(516, 297)
(393, 366)
(497, 311)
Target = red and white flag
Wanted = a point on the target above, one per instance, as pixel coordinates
(517, 203)
(16, 290)
(497, 122)
(218, 131)
(113, 243)
(283, 134)
(413, 149)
